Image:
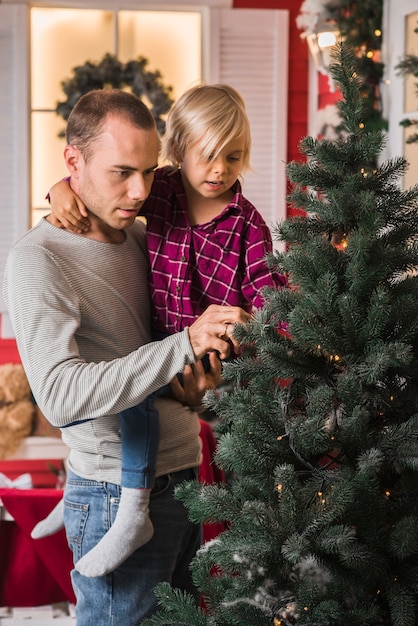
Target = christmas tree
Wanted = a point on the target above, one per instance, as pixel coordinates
(319, 432)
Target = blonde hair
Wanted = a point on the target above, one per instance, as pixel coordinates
(208, 115)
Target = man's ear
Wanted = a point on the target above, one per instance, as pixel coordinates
(72, 159)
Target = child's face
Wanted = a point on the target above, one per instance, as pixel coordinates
(215, 177)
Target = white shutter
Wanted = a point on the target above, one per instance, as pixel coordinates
(14, 116)
(394, 87)
(249, 50)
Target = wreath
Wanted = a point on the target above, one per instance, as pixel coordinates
(110, 73)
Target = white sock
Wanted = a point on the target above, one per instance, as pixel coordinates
(51, 524)
(131, 529)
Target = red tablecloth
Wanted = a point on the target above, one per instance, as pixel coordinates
(210, 474)
(37, 572)
(32, 572)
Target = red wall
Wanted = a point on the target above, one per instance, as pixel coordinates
(8, 351)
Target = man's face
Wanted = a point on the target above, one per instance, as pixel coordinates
(116, 179)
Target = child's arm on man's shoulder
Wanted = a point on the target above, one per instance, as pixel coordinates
(67, 210)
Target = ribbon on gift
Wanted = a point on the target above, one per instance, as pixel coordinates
(24, 481)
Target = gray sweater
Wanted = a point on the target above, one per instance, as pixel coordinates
(81, 313)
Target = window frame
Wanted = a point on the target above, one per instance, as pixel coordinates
(393, 86)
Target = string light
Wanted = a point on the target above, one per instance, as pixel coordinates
(339, 241)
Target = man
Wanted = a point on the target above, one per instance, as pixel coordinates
(80, 308)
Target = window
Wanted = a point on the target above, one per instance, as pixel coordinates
(62, 39)
(400, 93)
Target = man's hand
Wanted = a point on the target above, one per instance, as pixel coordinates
(196, 381)
(214, 329)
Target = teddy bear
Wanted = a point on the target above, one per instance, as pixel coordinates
(17, 411)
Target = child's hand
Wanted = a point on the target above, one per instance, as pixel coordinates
(196, 381)
(67, 210)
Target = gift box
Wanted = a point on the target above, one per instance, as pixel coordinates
(44, 473)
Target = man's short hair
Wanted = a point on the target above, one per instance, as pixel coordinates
(93, 108)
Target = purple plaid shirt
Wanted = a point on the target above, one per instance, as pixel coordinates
(221, 262)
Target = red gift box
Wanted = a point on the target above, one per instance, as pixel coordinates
(45, 473)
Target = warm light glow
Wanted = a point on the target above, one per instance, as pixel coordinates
(170, 40)
(378, 32)
(387, 494)
(369, 54)
(326, 40)
(340, 242)
(279, 487)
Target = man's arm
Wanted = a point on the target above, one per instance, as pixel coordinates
(66, 387)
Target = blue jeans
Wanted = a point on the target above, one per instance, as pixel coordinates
(139, 436)
(126, 596)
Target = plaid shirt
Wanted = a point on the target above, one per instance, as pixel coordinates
(221, 262)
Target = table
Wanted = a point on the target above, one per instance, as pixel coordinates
(34, 572)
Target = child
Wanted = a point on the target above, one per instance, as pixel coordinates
(207, 244)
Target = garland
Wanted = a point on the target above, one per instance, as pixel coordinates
(360, 25)
(111, 73)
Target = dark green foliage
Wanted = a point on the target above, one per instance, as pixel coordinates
(320, 430)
